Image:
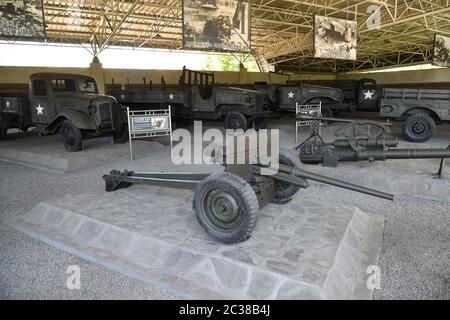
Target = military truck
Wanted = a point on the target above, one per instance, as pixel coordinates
(68, 103)
(197, 97)
(420, 110)
(286, 97)
(364, 93)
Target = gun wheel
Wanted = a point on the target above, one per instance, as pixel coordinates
(284, 192)
(226, 207)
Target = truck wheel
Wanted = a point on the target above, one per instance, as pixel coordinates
(226, 207)
(71, 136)
(419, 128)
(235, 120)
(3, 130)
(327, 112)
(260, 123)
(121, 136)
(284, 192)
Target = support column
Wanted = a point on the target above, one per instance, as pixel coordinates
(96, 70)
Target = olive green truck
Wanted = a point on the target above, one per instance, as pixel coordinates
(420, 110)
(66, 103)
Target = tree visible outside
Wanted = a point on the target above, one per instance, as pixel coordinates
(229, 62)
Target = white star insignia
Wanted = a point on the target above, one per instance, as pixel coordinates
(39, 110)
(368, 95)
(7, 104)
(291, 95)
(171, 96)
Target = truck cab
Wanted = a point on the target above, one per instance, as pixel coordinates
(71, 104)
(332, 99)
(368, 94)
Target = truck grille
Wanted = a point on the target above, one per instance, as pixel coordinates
(105, 116)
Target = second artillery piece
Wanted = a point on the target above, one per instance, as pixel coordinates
(360, 140)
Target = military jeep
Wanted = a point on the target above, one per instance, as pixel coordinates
(67, 103)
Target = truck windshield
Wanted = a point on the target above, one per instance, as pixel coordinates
(62, 85)
(87, 86)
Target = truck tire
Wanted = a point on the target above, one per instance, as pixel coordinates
(3, 130)
(236, 120)
(419, 128)
(226, 207)
(71, 136)
(121, 136)
(284, 192)
(260, 123)
(327, 112)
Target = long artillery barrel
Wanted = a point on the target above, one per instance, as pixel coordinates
(374, 154)
(294, 176)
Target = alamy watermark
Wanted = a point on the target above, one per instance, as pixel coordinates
(374, 278)
(234, 147)
(73, 281)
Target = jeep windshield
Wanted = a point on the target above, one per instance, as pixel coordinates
(73, 85)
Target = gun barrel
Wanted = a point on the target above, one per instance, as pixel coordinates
(418, 154)
(334, 182)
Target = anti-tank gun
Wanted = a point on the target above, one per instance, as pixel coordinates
(227, 203)
(359, 140)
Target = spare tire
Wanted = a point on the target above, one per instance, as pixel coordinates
(419, 128)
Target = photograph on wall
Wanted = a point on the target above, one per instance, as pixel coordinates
(334, 38)
(441, 53)
(222, 25)
(22, 19)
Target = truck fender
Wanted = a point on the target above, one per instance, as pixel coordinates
(79, 120)
(423, 110)
(314, 100)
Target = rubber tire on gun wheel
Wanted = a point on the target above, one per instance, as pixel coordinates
(122, 135)
(419, 128)
(226, 206)
(236, 120)
(284, 192)
(71, 136)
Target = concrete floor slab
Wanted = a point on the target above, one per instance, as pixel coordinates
(303, 250)
(48, 152)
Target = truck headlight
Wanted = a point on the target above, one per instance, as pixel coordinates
(248, 99)
(92, 109)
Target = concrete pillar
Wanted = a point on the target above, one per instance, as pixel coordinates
(96, 70)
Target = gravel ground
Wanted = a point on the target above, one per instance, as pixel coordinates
(415, 255)
(30, 269)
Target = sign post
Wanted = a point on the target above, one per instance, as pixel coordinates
(308, 110)
(148, 124)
